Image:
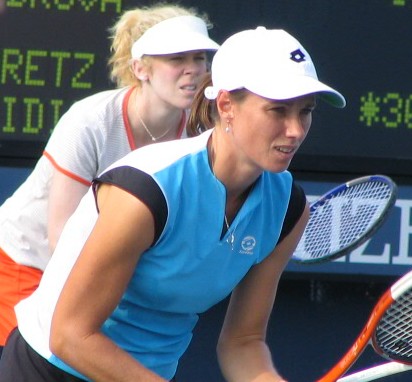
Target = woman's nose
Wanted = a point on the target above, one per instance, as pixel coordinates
(295, 128)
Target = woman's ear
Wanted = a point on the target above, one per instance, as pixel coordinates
(224, 105)
(140, 70)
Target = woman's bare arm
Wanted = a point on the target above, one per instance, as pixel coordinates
(65, 195)
(124, 229)
(242, 351)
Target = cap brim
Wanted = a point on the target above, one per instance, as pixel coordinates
(288, 88)
(333, 98)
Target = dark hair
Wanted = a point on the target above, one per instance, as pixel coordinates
(203, 113)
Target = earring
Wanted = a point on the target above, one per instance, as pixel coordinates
(227, 126)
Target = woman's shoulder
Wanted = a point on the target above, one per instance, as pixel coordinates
(156, 156)
(94, 112)
(102, 99)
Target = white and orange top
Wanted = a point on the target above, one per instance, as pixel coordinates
(90, 136)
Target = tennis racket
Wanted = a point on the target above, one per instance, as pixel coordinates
(376, 372)
(388, 330)
(345, 217)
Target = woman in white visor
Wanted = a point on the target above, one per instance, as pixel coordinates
(159, 54)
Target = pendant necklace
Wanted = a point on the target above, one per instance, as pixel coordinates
(231, 238)
(154, 139)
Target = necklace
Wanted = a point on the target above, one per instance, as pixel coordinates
(154, 139)
(231, 238)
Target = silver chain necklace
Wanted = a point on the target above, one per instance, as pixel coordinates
(231, 238)
(154, 139)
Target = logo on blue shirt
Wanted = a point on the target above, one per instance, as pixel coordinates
(248, 244)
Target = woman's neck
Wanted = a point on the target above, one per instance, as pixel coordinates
(152, 122)
(237, 177)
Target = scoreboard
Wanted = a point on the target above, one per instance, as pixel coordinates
(54, 52)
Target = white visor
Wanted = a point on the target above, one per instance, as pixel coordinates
(174, 35)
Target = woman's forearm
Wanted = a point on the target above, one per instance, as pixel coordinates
(247, 361)
(101, 360)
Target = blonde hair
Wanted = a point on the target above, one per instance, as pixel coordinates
(130, 27)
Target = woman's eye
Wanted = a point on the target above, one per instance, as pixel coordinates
(278, 109)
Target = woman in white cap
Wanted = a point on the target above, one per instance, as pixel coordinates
(159, 54)
(172, 229)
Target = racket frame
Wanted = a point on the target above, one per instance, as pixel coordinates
(376, 372)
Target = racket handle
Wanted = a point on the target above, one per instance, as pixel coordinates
(376, 372)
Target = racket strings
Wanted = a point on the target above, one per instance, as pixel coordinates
(393, 335)
(343, 217)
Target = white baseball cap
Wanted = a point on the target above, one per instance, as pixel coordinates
(174, 35)
(270, 63)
